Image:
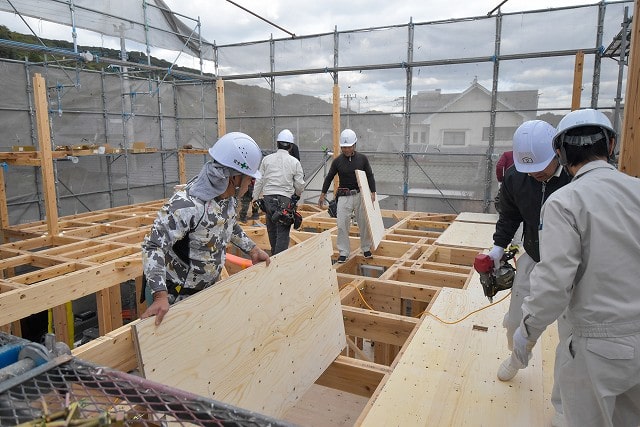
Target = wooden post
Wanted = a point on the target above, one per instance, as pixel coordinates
(629, 162)
(4, 212)
(44, 144)
(222, 125)
(577, 81)
(182, 174)
(336, 129)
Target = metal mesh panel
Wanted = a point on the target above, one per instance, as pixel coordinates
(382, 46)
(473, 39)
(318, 53)
(545, 32)
(104, 396)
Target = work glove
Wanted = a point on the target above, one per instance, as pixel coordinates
(522, 346)
(496, 253)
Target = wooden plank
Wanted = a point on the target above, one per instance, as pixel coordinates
(44, 144)
(222, 122)
(452, 380)
(182, 169)
(353, 376)
(577, 80)
(468, 234)
(20, 303)
(372, 210)
(377, 326)
(114, 350)
(258, 339)
(323, 406)
(630, 149)
(487, 218)
(431, 277)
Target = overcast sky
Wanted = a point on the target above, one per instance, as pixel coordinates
(225, 23)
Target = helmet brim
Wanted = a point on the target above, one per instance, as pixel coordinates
(532, 167)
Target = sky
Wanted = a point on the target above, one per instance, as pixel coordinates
(225, 23)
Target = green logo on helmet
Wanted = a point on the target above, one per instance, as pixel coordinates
(242, 165)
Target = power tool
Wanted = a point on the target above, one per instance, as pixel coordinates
(492, 280)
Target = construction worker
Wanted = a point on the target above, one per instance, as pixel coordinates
(186, 248)
(590, 248)
(281, 184)
(348, 193)
(536, 175)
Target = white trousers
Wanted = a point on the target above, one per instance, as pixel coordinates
(600, 381)
(346, 206)
(521, 289)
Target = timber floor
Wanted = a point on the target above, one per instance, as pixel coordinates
(429, 364)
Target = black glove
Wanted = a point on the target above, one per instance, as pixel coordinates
(295, 198)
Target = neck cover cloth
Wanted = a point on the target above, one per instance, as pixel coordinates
(211, 182)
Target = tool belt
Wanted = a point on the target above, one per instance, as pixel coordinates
(346, 192)
(177, 290)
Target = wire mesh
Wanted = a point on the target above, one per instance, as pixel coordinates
(82, 394)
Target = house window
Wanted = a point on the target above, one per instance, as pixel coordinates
(502, 133)
(423, 137)
(415, 138)
(453, 137)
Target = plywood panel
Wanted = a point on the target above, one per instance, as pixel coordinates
(477, 217)
(469, 234)
(374, 216)
(258, 339)
(452, 381)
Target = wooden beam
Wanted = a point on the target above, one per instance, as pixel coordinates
(114, 350)
(182, 173)
(577, 81)
(44, 144)
(20, 303)
(222, 123)
(353, 376)
(629, 160)
(377, 326)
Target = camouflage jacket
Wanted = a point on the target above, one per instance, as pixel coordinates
(188, 240)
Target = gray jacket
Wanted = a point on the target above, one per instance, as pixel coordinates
(590, 256)
(187, 243)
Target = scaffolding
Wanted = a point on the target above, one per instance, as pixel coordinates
(433, 136)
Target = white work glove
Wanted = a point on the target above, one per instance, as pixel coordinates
(522, 346)
(496, 253)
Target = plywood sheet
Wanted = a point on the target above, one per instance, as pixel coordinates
(257, 340)
(372, 209)
(468, 234)
(447, 374)
(486, 218)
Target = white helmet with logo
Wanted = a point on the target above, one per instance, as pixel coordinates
(587, 118)
(348, 138)
(285, 136)
(532, 146)
(238, 151)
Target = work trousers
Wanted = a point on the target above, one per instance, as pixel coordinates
(278, 232)
(520, 290)
(600, 381)
(346, 206)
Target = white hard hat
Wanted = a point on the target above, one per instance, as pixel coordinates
(532, 147)
(348, 138)
(587, 118)
(238, 151)
(285, 135)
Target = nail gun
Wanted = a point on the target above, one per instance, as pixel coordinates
(492, 280)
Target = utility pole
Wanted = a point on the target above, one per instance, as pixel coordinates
(349, 96)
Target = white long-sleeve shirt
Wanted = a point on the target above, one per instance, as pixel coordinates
(281, 175)
(590, 256)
